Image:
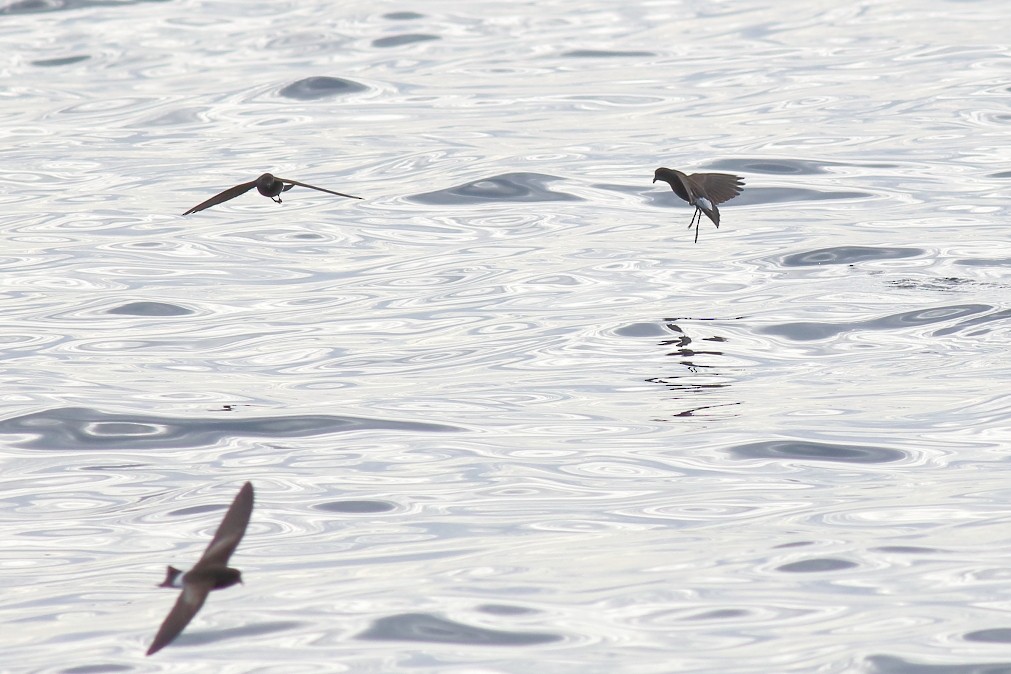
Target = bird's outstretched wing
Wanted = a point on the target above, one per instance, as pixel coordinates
(230, 193)
(230, 531)
(719, 187)
(189, 602)
(313, 187)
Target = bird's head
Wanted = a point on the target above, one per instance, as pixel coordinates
(226, 577)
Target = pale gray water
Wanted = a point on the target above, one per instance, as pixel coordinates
(503, 416)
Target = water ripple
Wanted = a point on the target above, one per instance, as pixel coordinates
(82, 428)
(503, 413)
(521, 187)
(433, 629)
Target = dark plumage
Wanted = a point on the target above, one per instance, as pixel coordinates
(703, 191)
(268, 185)
(211, 572)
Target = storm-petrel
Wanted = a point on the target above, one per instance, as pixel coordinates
(211, 572)
(268, 185)
(703, 191)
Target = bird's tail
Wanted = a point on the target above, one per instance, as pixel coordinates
(710, 209)
(171, 574)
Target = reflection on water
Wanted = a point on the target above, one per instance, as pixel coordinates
(502, 415)
(698, 373)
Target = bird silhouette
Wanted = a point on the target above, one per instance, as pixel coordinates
(703, 191)
(211, 572)
(268, 185)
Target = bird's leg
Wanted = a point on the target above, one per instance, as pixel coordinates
(697, 213)
(283, 189)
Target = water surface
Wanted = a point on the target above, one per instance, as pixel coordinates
(503, 415)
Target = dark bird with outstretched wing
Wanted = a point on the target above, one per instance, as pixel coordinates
(268, 185)
(211, 572)
(703, 191)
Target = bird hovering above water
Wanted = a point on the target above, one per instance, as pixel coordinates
(211, 572)
(268, 185)
(703, 191)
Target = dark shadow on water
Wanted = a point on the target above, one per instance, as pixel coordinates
(428, 628)
(805, 450)
(357, 507)
(314, 88)
(821, 565)
(977, 322)
(985, 262)
(507, 187)
(82, 428)
(787, 195)
(847, 255)
(401, 40)
(777, 167)
(887, 664)
(198, 637)
(504, 609)
(721, 614)
(150, 309)
(907, 550)
(39, 6)
(793, 544)
(997, 635)
(786, 166)
(403, 16)
(603, 53)
(65, 61)
(751, 195)
(806, 331)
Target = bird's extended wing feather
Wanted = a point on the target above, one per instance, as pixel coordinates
(313, 187)
(719, 187)
(230, 193)
(230, 531)
(189, 602)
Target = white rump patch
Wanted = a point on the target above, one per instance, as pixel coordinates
(704, 203)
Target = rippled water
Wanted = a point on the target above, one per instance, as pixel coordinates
(503, 415)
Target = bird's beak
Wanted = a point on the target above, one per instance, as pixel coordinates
(654, 178)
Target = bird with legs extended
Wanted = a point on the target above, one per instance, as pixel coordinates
(704, 191)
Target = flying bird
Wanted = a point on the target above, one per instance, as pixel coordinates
(268, 185)
(211, 572)
(703, 191)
